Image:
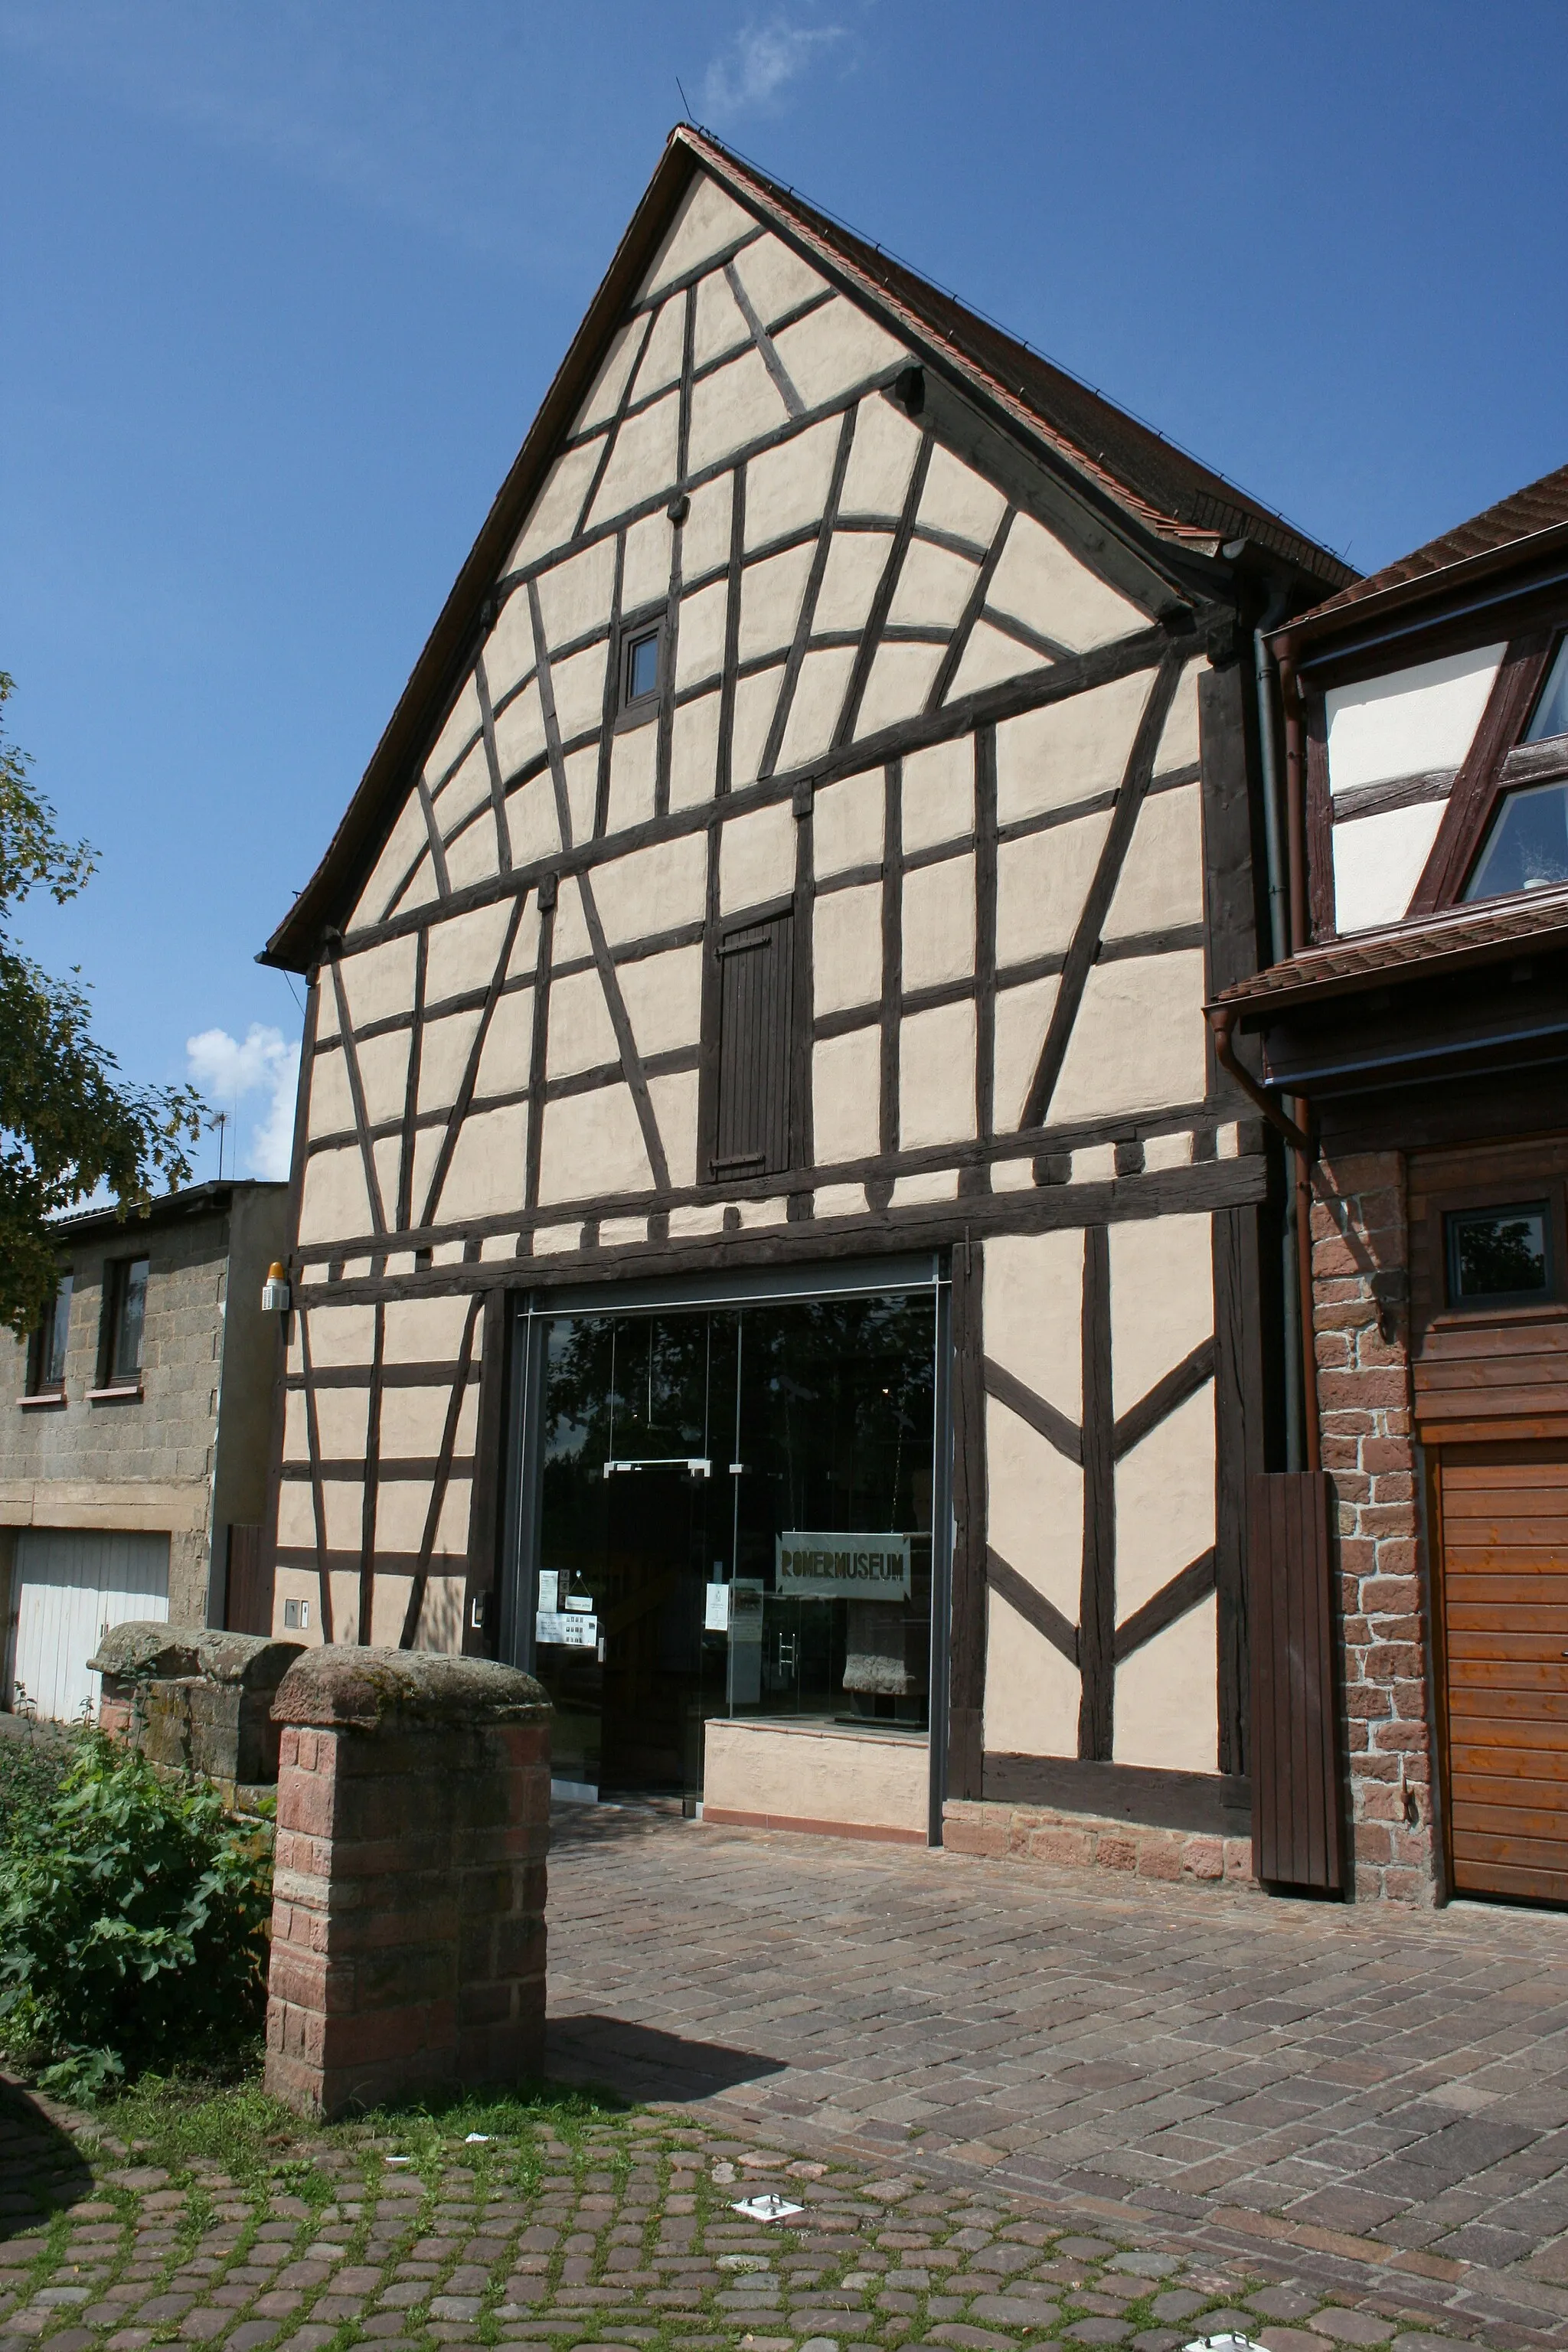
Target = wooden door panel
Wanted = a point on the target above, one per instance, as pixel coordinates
(1504, 1516)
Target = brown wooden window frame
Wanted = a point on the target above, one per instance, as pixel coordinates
(117, 1274)
(46, 1344)
(1517, 1187)
(1490, 1302)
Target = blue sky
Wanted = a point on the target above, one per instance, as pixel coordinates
(283, 285)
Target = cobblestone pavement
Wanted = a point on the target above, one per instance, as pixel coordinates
(1373, 2087)
(626, 2238)
(791, 2008)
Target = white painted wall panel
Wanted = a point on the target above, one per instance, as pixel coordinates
(708, 222)
(1409, 720)
(1378, 861)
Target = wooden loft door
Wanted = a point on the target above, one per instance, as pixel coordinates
(1503, 1512)
(1488, 1231)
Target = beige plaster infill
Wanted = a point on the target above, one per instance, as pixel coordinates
(812, 1775)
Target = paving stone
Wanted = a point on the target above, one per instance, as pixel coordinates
(1283, 2302)
(1352, 2326)
(1099, 2331)
(1290, 2339)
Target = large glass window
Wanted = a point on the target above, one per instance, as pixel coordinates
(733, 1518)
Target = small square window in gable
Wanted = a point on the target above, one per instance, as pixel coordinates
(639, 667)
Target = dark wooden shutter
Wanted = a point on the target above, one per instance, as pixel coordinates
(249, 1601)
(756, 994)
(1298, 1838)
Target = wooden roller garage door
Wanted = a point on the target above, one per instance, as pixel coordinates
(1505, 1606)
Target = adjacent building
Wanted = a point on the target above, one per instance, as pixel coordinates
(773, 1246)
(134, 1460)
(1417, 1036)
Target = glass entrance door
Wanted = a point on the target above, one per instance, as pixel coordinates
(733, 1516)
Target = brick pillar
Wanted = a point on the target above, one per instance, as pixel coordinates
(408, 1905)
(1360, 1318)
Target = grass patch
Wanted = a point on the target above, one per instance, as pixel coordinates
(189, 2126)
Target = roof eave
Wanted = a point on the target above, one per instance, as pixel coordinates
(1336, 619)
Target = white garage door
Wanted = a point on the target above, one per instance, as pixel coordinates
(68, 1587)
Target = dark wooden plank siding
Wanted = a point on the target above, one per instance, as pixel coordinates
(1297, 1837)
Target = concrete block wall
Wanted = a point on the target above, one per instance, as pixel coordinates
(408, 1910)
(1362, 1335)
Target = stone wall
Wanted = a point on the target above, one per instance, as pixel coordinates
(1040, 1833)
(1360, 1314)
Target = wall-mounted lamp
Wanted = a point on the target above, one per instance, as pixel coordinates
(275, 1293)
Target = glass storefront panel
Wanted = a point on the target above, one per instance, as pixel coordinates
(733, 1518)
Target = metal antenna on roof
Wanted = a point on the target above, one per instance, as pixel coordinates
(685, 102)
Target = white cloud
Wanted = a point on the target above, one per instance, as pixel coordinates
(227, 1069)
(764, 59)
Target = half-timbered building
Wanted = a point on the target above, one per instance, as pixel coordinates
(1413, 1579)
(773, 1248)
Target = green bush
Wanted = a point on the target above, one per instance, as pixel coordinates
(133, 1916)
(32, 1766)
